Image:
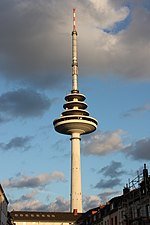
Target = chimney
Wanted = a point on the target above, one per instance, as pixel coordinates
(126, 190)
(75, 212)
(145, 172)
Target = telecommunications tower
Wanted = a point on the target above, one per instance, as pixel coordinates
(75, 121)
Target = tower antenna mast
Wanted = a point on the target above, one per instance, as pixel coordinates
(74, 56)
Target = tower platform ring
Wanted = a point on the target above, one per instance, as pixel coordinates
(75, 112)
(72, 96)
(70, 105)
(80, 124)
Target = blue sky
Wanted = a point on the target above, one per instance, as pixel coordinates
(35, 76)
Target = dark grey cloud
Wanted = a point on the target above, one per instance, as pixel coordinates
(17, 143)
(112, 170)
(139, 150)
(111, 183)
(140, 109)
(35, 41)
(3, 119)
(31, 46)
(136, 37)
(23, 103)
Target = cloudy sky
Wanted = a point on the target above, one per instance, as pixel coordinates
(35, 76)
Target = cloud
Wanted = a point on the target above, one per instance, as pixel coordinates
(31, 41)
(135, 38)
(112, 170)
(59, 146)
(103, 143)
(3, 119)
(29, 203)
(28, 196)
(91, 201)
(23, 103)
(59, 205)
(17, 143)
(35, 41)
(104, 12)
(116, 53)
(139, 150)
(22, 181)
(133, 111)
(111, 183)
(105, 196)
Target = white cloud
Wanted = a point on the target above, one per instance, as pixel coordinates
(123, 54)
(23, 181)
(107, 14)
(103, 143)
(91, 201)
(59, 205)
(26, 205)
(28, 202)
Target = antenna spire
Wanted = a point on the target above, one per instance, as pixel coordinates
(74, 19)
(74, 56)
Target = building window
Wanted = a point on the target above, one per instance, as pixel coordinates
(122, 214)
(138, 212)
(112, 206)
(115, 220)
(147, 210)
(112, 222)
(94, 218)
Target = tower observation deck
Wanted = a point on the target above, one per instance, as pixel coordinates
(75, 121)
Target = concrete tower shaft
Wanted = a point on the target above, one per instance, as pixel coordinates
(75, 121)
(76, 186)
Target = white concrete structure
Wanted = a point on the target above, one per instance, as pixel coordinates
(75, 121)
(3, 207)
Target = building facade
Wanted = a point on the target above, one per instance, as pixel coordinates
(131, 208)
(3, 207)
(43, 218)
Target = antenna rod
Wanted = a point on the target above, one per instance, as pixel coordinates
(74, 19)
(74, 56)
